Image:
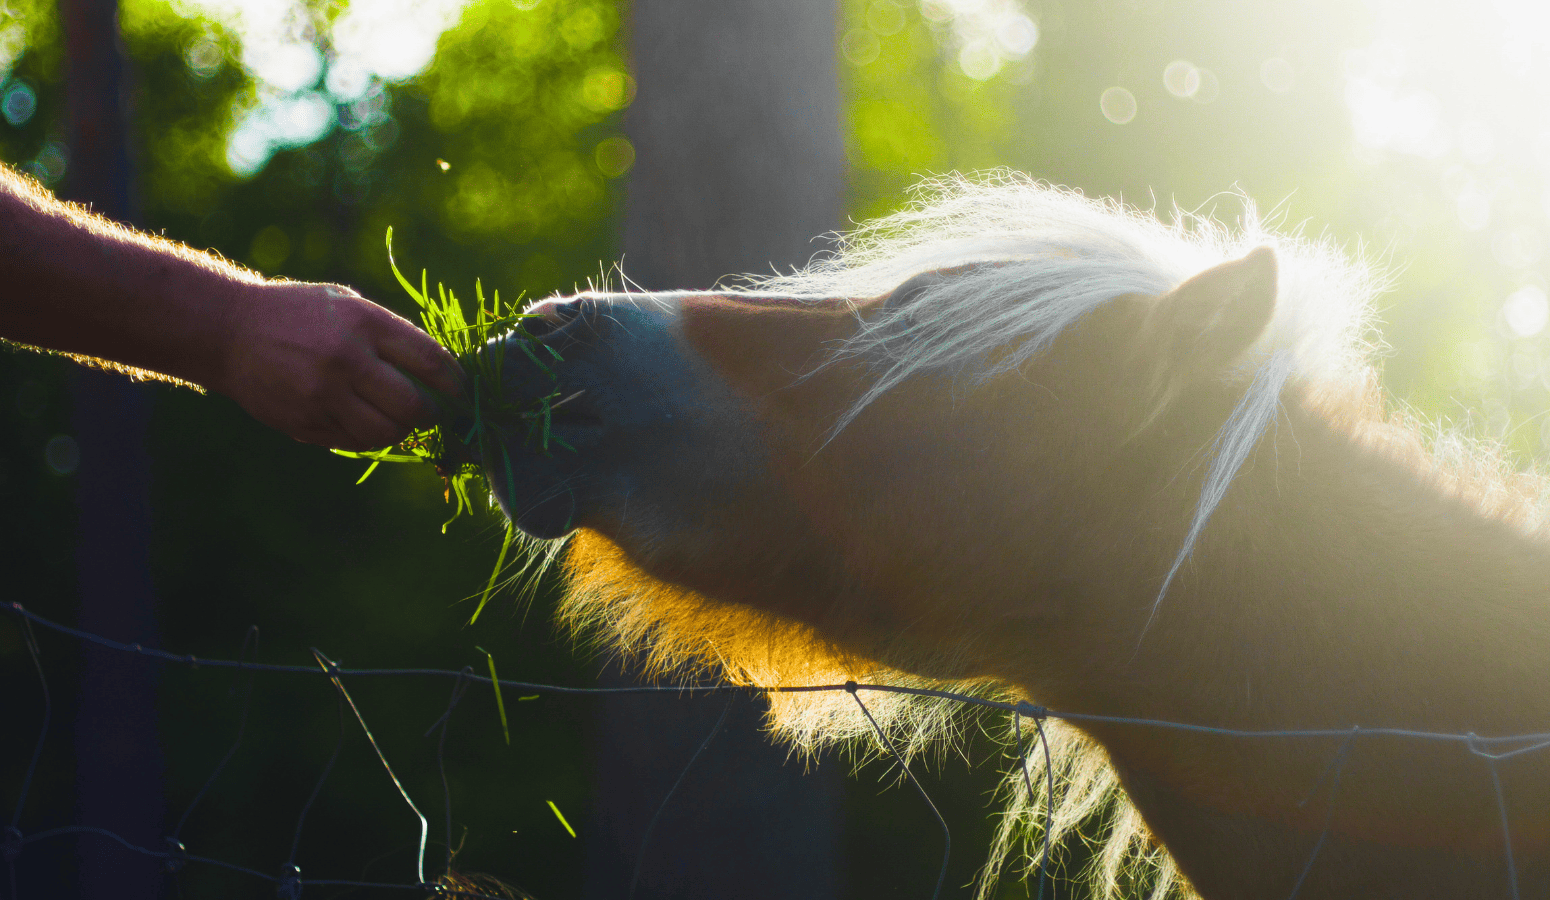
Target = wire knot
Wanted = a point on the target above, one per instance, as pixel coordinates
(850, 687)
(11, 846)
(289, 885)
(177, 856)
(1033, 712)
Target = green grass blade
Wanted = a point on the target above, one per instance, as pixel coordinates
(419, 298)
(386, 455)
(500, 705)
(428, 307)
(500, 563)
(561, 816)
(536, 361)
(369, 469)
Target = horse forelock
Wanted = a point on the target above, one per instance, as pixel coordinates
(1054, 256)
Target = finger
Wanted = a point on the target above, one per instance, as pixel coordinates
(394, 395)
(417, 353)
(366, 426)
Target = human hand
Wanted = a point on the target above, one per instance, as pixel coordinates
(327, 366)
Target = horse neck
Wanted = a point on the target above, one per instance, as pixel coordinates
(1347, 578)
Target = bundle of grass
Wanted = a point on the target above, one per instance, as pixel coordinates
(483, 415)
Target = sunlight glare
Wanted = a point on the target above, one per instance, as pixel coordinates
(987, 34)
(1526, 311)
(371, 42)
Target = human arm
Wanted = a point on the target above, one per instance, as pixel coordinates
(316, 361)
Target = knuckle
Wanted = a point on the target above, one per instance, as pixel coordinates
(315, 392)
(340, 345)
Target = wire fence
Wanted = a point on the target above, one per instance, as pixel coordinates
(289, 883)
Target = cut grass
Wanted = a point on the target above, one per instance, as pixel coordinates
(482, 417)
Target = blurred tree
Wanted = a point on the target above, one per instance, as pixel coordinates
(119, 762)
(739, 163)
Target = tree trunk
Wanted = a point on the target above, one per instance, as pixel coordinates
(739, 165)
(118, 756)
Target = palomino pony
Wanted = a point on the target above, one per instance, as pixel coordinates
(1023, 443)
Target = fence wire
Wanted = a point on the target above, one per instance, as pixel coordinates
(288, 882)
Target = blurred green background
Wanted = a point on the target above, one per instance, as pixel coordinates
(288, 135)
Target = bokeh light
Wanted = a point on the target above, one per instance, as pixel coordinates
(1118, 105)
(18, 102)
(1278, 75)
(1182, 79)
(615, 156)
(61, 454)
(987, 35)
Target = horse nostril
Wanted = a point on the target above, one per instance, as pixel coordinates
(549, 316)
(554, 314)
(580, 308)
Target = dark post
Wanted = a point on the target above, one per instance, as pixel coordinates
(739, 165)
(118, 757)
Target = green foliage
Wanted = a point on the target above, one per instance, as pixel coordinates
(31, 55)
(525, 98)
(274, 529)
(187, 87)
(912, 110)
(501, 160)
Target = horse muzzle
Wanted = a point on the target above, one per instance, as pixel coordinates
(604, 408)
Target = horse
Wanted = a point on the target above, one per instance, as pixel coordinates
(1020, 443)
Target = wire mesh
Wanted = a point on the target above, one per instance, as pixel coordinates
(289, 882)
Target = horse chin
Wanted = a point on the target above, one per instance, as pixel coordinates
(546, 519)
(531, 489)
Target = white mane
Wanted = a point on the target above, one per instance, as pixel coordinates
(1059, 256)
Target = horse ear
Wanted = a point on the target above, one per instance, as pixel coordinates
(913, 286)
(1204, 324)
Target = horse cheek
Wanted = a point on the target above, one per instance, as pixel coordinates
(763, 346)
